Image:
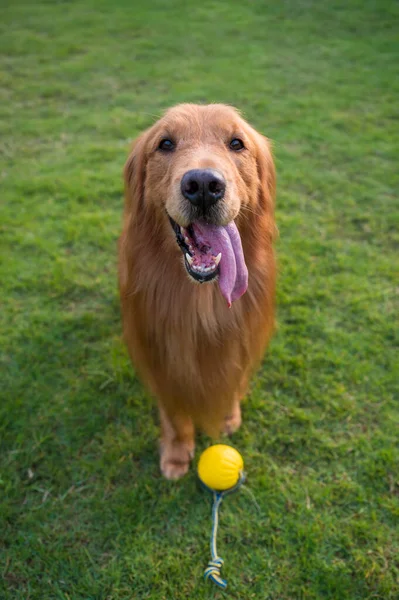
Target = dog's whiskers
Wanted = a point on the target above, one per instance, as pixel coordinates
(250, 210)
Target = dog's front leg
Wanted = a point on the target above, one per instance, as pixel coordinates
(232, 421)
(177, 444)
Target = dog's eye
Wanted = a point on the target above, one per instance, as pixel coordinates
(166, 145)
(236, 144)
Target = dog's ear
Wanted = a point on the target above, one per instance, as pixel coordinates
(134, 174)
(266, 174)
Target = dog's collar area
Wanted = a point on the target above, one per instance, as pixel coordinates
(201, 264)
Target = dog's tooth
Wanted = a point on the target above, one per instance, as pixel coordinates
(189, 258)
(217, 259)
(187, 240)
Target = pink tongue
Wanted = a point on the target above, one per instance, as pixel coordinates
(233, 278)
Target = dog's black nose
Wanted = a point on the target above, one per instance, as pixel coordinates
(203, 187)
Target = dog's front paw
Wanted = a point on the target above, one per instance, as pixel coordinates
(233, 421)
(175, 459)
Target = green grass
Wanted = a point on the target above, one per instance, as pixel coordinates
(84, 512)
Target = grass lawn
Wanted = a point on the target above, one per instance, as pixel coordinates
(84, 512)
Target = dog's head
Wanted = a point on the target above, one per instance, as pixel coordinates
(199, 167)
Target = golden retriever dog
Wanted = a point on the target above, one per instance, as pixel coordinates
(197, 269)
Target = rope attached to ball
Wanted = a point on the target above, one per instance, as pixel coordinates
(212, 571)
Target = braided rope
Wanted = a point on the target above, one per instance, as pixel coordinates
(212, 571)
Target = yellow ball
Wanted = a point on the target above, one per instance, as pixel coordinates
(220, 467)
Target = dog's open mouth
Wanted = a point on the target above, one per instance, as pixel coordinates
(214, 250)
(200, 262)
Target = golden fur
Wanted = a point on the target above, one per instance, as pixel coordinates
(194, 353)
